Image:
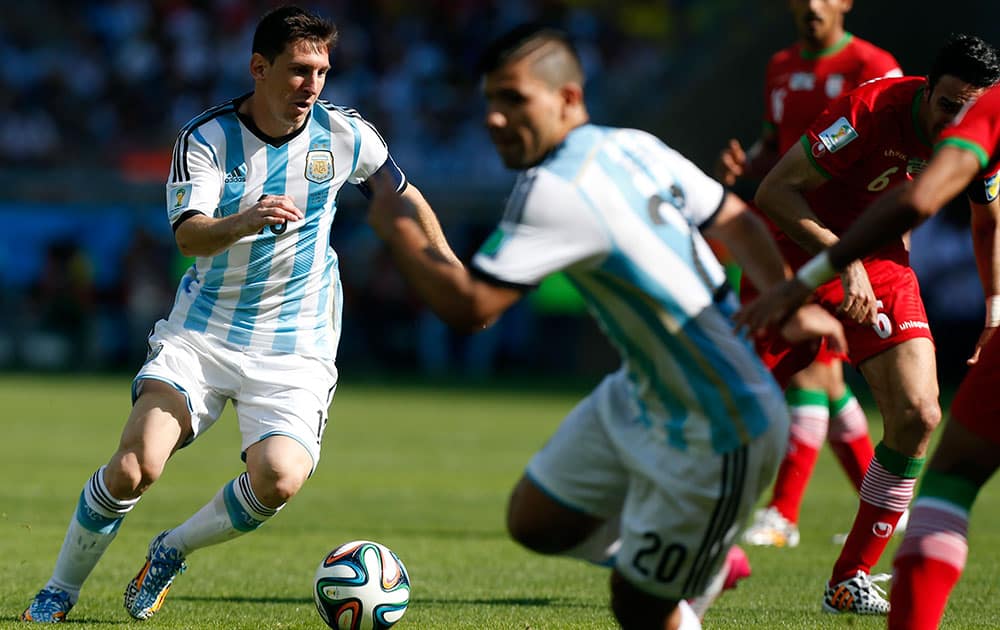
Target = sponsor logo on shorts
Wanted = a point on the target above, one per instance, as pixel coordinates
(913, 324)
(838, 135)
(882, 529)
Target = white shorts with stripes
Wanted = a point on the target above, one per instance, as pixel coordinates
(273, 393)
(680, 511)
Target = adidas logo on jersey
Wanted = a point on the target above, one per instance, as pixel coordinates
(238, 175)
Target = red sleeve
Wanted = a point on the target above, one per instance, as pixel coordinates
(977, 129)
(880, 63)
(839, 136)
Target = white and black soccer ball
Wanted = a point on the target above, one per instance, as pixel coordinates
(361, 585)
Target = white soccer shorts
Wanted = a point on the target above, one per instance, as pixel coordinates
(272, 393)
(680, 511)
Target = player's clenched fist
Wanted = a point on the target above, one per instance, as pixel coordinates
(270, 210)
(731, 163)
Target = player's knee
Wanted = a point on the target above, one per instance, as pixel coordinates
(922, 416)
(636, 609)
(528, 531)
(128, 474)
(531, 525)
(279, 490)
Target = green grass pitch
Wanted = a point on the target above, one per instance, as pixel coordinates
(422, 468)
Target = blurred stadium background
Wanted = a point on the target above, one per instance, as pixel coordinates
(93, 91)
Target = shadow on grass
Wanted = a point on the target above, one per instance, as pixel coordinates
(236, 599)
(537, 602)
(16, 619)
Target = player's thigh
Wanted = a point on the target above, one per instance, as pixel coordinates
(286, 395)
(903, 381)
(680, 519)
(203, 373)
(545, 524)
(576, 481)
(159, 419)
(826, 374)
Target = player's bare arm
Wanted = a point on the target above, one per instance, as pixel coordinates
(892, 215)
(435, 274)
(746, 236)
(985, 244)
(907, 206)
(428, 221)
(782, 197)
(749, 241)
(201, 235)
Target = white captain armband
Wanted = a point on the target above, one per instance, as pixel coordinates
(993, 311)
(817, 271)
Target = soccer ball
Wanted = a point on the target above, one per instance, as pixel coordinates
(361, 585)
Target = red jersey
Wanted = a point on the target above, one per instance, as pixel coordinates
(800, 83)
(866, 143)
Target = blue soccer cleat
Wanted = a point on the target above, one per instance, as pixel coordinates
(51, 605)
(144, 595)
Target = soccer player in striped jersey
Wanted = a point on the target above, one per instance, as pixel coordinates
(934, 550)
(251, 194)
(862, 147)
(656, 471)
(827, 61)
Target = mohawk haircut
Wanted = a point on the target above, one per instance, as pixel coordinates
(558, 60)
(968, 58)
(284, 25)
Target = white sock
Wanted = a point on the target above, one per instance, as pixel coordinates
(91, 529)
(601, 546)
(232, 512)
(689, 620)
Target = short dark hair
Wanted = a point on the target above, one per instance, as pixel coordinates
(284, 25)
(524, 40)
(968, 58)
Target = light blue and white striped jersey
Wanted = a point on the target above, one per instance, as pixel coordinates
(278, 290)
(619, 212)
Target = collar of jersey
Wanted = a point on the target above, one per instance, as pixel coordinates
(829, 50)
(255, 130)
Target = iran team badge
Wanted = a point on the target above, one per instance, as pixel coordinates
(319, 166)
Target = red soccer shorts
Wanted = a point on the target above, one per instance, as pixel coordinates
(976, 405)
(779, 356)
(901, 317)
(901, 314)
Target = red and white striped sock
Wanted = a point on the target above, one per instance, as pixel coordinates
(885, 494)
(849, 438)
(810, 414)
(932, 555)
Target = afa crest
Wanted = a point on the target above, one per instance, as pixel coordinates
(319, 165)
